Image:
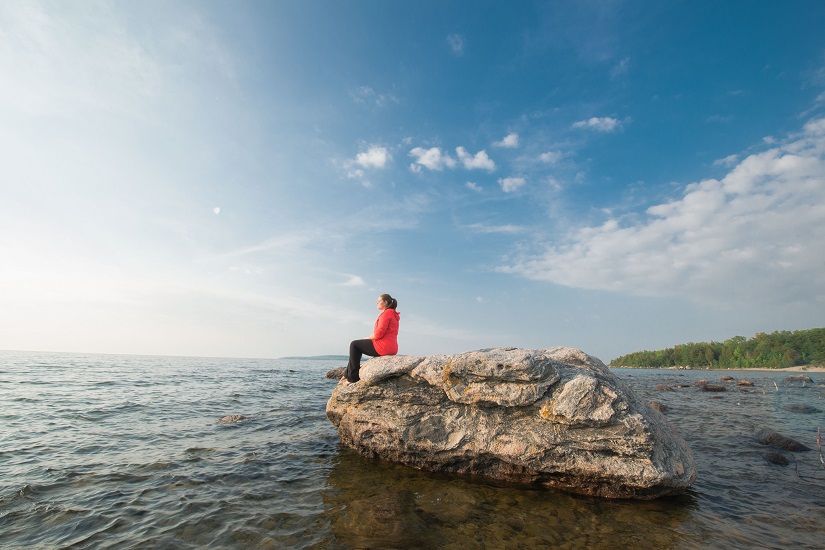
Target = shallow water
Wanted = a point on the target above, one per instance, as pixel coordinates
(103, 451)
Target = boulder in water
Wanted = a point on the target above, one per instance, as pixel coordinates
(335, 374)
(775, 457)
(775, 439)
(556, 418)
(799, 378)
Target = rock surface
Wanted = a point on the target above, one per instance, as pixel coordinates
(556, 418)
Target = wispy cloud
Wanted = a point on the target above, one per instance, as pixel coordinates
(456, 43)
(551, 157)
(353, 280)
(365, 95)
(756, 234)
(728, 162)
(599, 124)
(49, 64)
(508, 229)
(621, 68)
(472, 186)
(510, 141)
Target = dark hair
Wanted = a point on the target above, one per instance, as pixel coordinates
(392, 303)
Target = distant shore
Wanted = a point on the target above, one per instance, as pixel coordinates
(800, 368)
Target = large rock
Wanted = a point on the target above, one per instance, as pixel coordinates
(557, 418)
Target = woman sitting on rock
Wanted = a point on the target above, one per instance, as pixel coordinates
(382, 341)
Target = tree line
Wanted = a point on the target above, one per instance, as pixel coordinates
(776, 350)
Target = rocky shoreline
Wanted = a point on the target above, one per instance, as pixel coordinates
(800, 368)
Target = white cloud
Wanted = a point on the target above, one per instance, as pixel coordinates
(472, 187)
(479, 161)
(353, 280)
(366, 95)
(456, 42)
(508, 229)
(599, 124)
(728, 161)
(508, 185)
(554, 184)
(374, 157)
(432, 159)
(510, 141)
(756, 235)
(621, 68)
(551, 157)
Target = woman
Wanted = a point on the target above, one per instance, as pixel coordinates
(382, 341)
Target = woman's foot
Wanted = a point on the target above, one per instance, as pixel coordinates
(346, 382)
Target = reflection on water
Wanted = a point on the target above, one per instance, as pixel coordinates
(380, 505)
(127, 452)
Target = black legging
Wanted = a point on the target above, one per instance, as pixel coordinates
(357, 348)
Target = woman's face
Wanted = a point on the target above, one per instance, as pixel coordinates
(381, 304)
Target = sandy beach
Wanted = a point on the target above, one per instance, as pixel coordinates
(802, 368)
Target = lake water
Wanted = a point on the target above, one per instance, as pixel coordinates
(107, 451)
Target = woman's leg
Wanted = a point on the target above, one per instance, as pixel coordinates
(357, 348)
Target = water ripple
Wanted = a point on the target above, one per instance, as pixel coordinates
(127, 452)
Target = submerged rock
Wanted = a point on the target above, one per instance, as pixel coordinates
(775, 439)
(713, 388)
(775, 457)
(802, 409)
(556, 418)
(232, 418)
(661, 407)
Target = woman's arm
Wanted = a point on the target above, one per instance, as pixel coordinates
(381, 327)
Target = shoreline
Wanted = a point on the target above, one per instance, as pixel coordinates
(801, 368)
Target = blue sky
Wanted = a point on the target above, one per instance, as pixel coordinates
(243, 178)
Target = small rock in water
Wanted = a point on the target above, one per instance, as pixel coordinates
(744, 383)
(803, 409)
(799, 378)
(775, 458)
(775, 439)
(232, 418)
(335, 374)
(661, 407)
(712, 388)
(663, 387)
(727, 378)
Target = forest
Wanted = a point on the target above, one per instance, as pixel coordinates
(776, 350)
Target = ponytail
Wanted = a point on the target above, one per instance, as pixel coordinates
(392, 303)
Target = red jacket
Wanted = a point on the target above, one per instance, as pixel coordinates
(386, 332)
